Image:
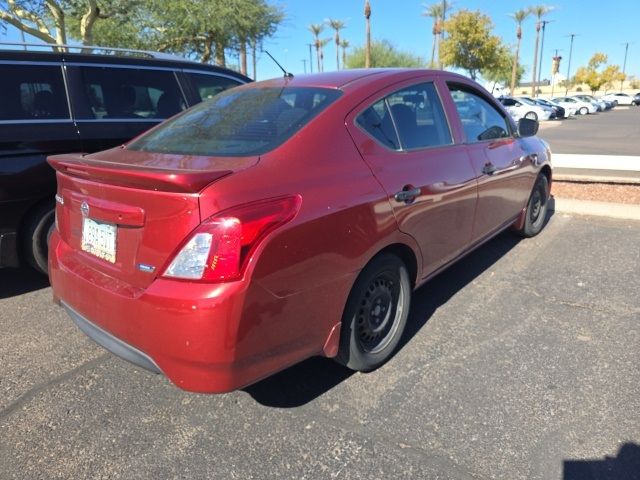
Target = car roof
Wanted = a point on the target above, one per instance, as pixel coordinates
(136, 58)
(345, 79)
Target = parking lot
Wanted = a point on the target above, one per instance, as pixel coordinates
(520, 362)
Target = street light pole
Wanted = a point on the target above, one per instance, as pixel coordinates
(544, 24)
(310, 58)
(572, 35)
(624, 65)
(304, 64)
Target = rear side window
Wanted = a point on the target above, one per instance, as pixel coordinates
(238, 122)
(33, 92)
(128, 93)
(208, 86)
(410, 119)
(481, 120)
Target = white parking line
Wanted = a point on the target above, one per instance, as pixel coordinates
(596, 162)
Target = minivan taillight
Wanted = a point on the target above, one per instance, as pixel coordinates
(218, 250)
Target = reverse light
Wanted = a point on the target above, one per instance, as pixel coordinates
(220, 247)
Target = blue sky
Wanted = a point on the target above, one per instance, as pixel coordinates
(600, 27)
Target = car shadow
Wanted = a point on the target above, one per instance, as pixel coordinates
(16, 281)
(305, 381)
(624, 466)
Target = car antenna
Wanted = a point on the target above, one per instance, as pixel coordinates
(286, 74)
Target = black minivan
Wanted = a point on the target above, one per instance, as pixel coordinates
(60, 102)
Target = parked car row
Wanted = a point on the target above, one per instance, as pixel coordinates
(543, 109)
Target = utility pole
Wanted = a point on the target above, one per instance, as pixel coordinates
(544, 24)
(310, 57)
(304, 64)
(624, 65)
(572, 35)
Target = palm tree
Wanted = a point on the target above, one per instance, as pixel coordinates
(446, 6)
(435, 12)
(337, 25)
(519, 17)
(344, 44)
(321, 44)
(367, 16)
(539, 11)
(316, 29)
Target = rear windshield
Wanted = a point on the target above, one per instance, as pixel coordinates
(240, 122)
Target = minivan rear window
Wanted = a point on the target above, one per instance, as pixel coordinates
(238, 122)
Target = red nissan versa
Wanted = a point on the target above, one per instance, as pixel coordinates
(288, 218)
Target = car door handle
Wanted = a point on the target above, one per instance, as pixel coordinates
(489, 169)
(407, 195)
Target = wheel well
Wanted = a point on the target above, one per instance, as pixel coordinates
(405, 254)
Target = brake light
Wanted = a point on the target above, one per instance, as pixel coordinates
(220, 247)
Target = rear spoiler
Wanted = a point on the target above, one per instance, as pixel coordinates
(136, 176)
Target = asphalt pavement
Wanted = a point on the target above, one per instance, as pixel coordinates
(615, 132)
(520, 362)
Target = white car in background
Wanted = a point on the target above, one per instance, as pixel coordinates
(621, 98)
(518, 109)
(569, 110)
(583, 108)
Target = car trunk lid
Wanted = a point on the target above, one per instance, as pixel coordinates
(125, 213)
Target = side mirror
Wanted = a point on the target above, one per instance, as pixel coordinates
(527, 127)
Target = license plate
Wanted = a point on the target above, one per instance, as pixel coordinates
(99, 239)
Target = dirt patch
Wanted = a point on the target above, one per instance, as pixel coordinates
(599, 192)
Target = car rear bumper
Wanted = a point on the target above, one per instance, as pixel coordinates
(203, 337)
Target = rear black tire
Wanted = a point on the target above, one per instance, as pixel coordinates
(376, 314)
(536, 213)
(35, 237)
(583, 111)
(531, 115)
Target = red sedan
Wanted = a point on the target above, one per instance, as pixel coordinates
(288, 218)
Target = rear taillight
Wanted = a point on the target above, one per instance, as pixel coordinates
(218, 250)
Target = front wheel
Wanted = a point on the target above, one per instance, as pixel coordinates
(376, 314)
(583, 110)
(536, 212)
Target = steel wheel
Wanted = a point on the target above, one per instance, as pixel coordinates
(376, 314)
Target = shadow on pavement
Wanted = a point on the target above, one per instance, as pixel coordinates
(624, 466)
(16, 281)
(302, 383)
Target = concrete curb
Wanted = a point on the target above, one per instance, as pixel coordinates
(597, 209)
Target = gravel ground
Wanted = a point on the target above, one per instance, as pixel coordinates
(601, 192)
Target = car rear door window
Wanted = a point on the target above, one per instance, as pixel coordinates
(376, 121)
(112, 93)
(480, 119)
(33, 92)
(209, 85)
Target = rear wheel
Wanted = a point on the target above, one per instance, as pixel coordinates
(376, 314)
(536, 213)
(531, 115)
(35, 237)
(583, 110)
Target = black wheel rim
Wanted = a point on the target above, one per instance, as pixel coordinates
(537, 205)
(381, 306)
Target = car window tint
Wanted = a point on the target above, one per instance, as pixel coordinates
(33, 92)
(376, 121)
(209, 85)
(237, 122)
(124, 93)
(419, 117)
(480, 120)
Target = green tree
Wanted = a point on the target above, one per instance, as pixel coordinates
(596, 78)
(344, 44)
(316, 29)
(519, 17)
(538, 11)
(383, 54)
(434, 12)
(502, 71)
(337, 25)
(469, 44)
